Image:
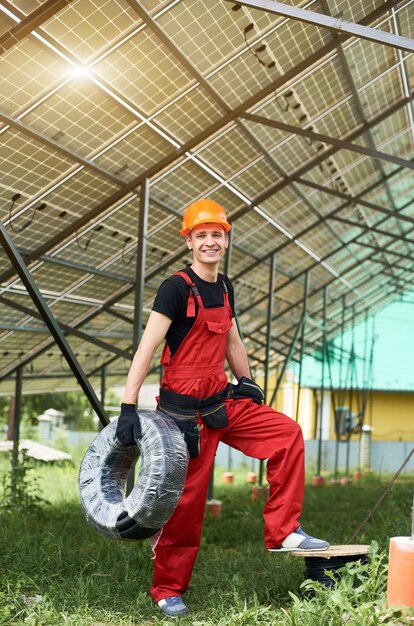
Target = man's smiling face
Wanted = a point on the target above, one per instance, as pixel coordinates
(208, 242)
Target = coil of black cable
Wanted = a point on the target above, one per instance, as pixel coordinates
(317, 567)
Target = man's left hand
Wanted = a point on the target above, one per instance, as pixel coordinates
(247, 388)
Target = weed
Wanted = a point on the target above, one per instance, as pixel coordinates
(87, 580)
(19, 488)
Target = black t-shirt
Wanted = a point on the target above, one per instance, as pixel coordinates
(172, 297)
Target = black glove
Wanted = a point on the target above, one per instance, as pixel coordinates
(247, 388)
(128, 428)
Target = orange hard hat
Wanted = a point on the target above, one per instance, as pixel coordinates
(203, 211)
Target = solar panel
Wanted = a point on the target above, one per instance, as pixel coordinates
(93, 101)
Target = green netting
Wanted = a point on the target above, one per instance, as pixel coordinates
(388, 335)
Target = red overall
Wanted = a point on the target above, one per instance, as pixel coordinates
(197, 369)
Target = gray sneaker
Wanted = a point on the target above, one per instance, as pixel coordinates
(173, 606)
(299, 540)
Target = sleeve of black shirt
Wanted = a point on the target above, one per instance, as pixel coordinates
(170, 299)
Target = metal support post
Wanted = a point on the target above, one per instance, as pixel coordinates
(16, 431)
(269, 322)
(140, 265)
(288, 357)
(139, 288)
(103, 386)
(50, 321)
(324, 347)
(341, 390)
(351, 393)
(268, 342)
(302, 340)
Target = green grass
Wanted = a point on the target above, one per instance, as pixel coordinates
(86, 580)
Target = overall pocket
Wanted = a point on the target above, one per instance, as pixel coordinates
(215, 416)
(191, 435)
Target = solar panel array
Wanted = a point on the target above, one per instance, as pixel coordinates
(99, 96)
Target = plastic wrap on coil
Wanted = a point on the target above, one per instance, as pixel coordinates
(159, 485)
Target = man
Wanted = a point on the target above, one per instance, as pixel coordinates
(194, 312)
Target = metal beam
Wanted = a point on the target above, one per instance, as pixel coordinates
(309, 228)
(103, 386)
(59, 375)
(87, 269)
(140, 262)
(269, 321)
(303, 169)
(56, 331)
(333, 23)
(58, 147)
(322, 392)
(87, 336)
(151, 23)
(378, 250)
(288, 357)
(361, 110)
(98, 311)
(394, 265)
(338, 143)
(373, 229)
(358, 200)
(315, 264)
(68, 329)
(302, 340)
(29, 23)
(119, 315)
(17, 411)
(198, 139)
(269, 318)
(161, 267)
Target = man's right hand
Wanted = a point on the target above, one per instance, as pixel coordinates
(128, 428)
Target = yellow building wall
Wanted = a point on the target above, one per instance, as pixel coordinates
(391, 415)
(286, 402)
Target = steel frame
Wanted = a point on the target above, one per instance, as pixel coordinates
(129, 289)
(333, 23)
(68, 329)
(51, 323)
(144, 15)
(338, 143)
(140, 263)
(42, 14)
(176, 154)
(290, 180)
(303, 272)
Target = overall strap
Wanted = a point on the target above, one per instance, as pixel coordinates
(223, 284)
(194, 293)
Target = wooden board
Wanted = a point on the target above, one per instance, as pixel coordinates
(37, 451)
(333, 551)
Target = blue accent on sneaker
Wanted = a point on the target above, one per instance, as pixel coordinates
(299, 540)
(173, 606)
